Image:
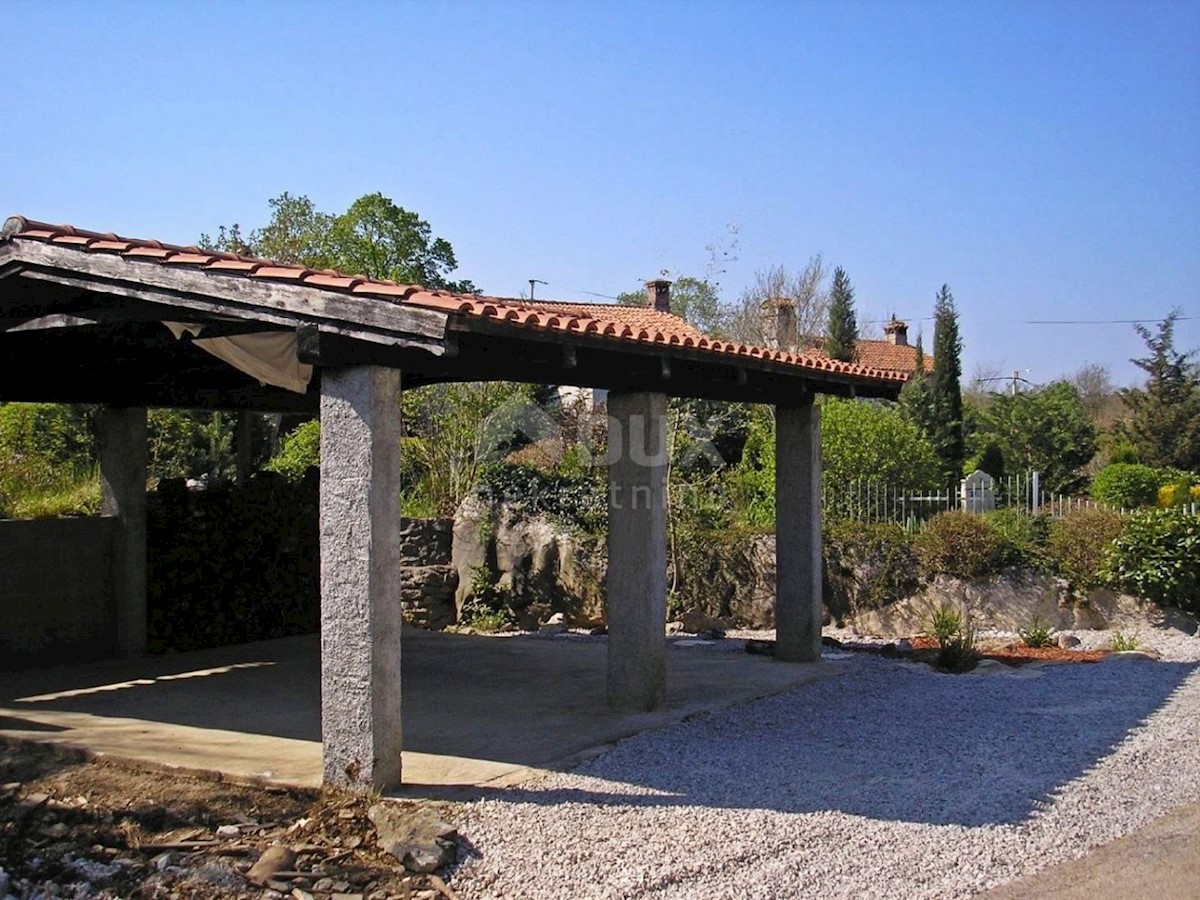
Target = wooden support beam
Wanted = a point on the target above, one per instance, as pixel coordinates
(232, 295)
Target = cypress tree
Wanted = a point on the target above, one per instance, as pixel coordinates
(843, 324)
(945, 428)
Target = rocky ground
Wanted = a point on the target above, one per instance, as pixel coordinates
(77, 828)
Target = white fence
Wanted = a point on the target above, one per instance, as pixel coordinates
(868, 501)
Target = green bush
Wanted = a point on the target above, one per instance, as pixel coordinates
(955, 635)
(960, 544)
(867, 566)
(55, 432)
(1157, 556)
(1079, 541)
(1022, 537)
(1128, 485)
(300, 451)
(577, 501)
(1037, 633)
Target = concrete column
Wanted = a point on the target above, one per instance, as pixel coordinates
(360, 576)
(122, 445)
(636, 586)
(244, 445)
(798, 533)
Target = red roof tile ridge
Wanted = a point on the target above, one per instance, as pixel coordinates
(617, 321)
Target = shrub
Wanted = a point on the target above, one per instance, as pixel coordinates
(1078, 542)
(1181, 493)
(577, 501)
(300, 451)
(1122, 642)
(487, 607)
(868, 566)
(55, 432)
(959, 544)
(1127, 485)
(1157, 556)
(1036, 634)
(1022, 536)
(955, 635)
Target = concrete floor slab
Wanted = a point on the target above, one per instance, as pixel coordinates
(476, 710)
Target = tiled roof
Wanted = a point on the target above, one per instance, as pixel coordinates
(618, 323)
(886, 355)
(879, 355)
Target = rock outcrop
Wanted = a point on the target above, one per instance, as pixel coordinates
(1011, 601)
(428, 578)
(541, 566)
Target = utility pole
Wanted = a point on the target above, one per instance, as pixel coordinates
(532, 282)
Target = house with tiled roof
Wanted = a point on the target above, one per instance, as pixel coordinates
(893, 353)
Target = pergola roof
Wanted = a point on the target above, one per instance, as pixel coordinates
(71, 298)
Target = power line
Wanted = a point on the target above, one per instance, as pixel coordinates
(1100, 321)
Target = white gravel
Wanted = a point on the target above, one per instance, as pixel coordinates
(887, 780)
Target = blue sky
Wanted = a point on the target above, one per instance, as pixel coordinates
(1043, 159)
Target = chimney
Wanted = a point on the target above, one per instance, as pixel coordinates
(658, 295)
(779, 324)
(896, 332)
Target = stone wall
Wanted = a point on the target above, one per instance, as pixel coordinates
(428, 579)
(56, 604)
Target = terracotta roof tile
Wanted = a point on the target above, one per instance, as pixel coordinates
(885, 363)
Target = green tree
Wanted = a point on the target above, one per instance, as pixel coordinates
(944, 421)
(374, 237)
(1047, 430)
(1164, 416)
(843, 324)
(860, 442)
(696, 300)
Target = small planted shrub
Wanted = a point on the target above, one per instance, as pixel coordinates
(955, 635)
(1078, 542)
(1122, 642)
(959, 544)
(1036, 634)
(487, 607)
(1157, 556)
(1127, 485)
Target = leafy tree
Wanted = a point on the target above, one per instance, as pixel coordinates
(1164, 416)
(944, 421)
(860, 441)
(1047, 430)
(374, 237)
(452, 431)
(843, 324)
(299, 451)
(696, 300)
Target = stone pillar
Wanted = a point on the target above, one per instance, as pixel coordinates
(244, 445)
(798, 608)
(636, 585)
(122, 446)
(360, 577)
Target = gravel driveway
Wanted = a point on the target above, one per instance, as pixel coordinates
(887, 780)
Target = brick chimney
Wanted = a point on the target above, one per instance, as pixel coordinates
(658, 295)
(896, 332)
(779, 324)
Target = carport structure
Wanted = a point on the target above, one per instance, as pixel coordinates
(87, 317)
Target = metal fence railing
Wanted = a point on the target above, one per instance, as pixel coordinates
(865, 500)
